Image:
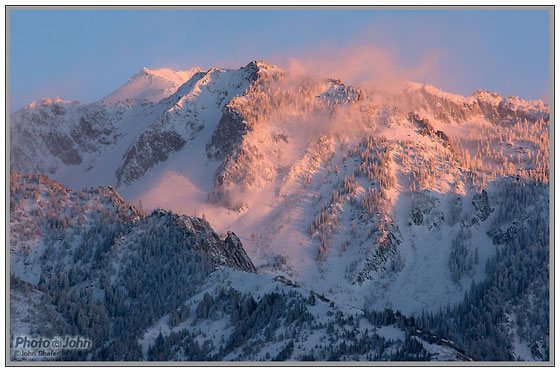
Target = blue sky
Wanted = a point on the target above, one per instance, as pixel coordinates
(85, 54)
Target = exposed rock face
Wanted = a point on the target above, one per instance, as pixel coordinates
(253, 69)
(426, 210)
(237, 254)
(482, 209)
(456, 208)
(341, 94)
(62, 147)
(152, 147)
(228, 134)
(417, 216)
(94, 130)
(426, 129)
(482, 205)
(388, 239)
(505, 234)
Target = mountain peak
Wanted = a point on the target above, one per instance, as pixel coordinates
(152, 85)
(260, 65)
(144, 71)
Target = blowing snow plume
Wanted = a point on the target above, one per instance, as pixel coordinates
(378, 70)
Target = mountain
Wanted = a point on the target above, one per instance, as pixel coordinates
(413, 199)
(50, 216)
(91, 264)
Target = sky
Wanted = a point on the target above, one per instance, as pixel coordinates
(87, 54)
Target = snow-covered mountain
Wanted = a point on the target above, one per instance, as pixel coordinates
(59, 222)
(372, 199)
(89, 263)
